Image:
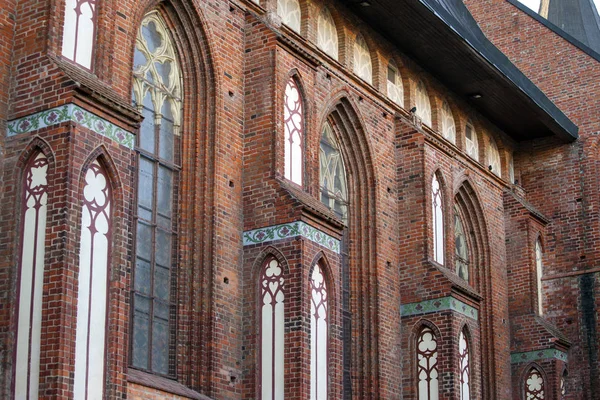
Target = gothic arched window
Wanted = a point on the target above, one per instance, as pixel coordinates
(427, 368)
(92, 293)
(437, 210)
(461, 253)
(472, 145)
(511, 167)
(293, 118)
(289, 11)
(362, 60)
(272, 325)
(423, 105)
(448, 126)
(327, 37)
(539, 264)
(334, 192)
(534, 385)
(395, 90)
(157, 94)
(494, 158)
(79, 31)
(34, 208)
(464, 366)
(319, 333)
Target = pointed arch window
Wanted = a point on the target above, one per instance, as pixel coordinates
(511, 168)
(395, 90)
(563, 383)
(464, 366)
(423, 104)
(92, 293)
(437, 210)
(461, 253)
(327, 37)
(472, 145)
(319, 328)
(289, 11)
(448, 125)
(363, 66)
(534, 385)
(334, 192)
(293, 116)
(79, 31)
(494, 158)
(272, 326)
(34, 205)
(539, 264)
(157, 94)
(427, 366)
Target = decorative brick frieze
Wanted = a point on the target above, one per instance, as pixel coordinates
(437, 305)
(74, 113)
(284, 231)
(537, 355)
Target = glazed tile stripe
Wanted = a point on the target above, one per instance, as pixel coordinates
(292, 229)
(436, 305)
(529, 356)
(74, 113)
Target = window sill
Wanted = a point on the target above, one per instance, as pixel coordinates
(163, 384)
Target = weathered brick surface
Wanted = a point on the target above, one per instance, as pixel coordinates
(236, 58)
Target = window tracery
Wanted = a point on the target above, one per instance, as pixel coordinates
(289, 11)
(534, 385)
(461, 253)
(327, 37)
(362, 59)
(423, 105)
(472, 146)
(272, 330)
(293, 116)
(464, 366)
(427, 368)
(438, 221)
(448, 126)
(319, 333)
(157, 94)
(79, 31)
(334, 192)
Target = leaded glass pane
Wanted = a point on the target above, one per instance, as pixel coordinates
(332, 174)
(423, 104)
(494, 158)
(327, 38)
(362, 59)
(461, 250)
(157, 79)
(472, 145)
(448, 126)
(289, 11)
(394, 86)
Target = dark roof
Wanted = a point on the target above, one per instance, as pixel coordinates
(578, 18)
(444, 38)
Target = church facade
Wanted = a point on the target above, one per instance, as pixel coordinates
(297, 199)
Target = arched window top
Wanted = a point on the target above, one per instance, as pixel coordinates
(427, 365)
(289, 11)
(293, 117)
(438, 220)
(534, 385)
(156, 70)
(332, 174)
(494, 157)
(471, 142)
(395, 90)
(422, 103)
(464, 365)
(448, 125)
(539, 265)
(461, 253)
(362, 59)
(327, 37)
